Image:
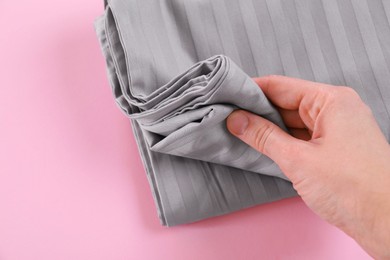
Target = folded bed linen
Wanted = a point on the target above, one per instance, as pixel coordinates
(179, 68)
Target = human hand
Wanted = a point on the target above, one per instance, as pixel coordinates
(336, 156)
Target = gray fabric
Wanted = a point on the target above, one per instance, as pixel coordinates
(178, 68)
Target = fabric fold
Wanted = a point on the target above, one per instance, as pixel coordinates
(186, 117)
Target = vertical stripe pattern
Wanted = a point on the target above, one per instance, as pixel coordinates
(148, 43)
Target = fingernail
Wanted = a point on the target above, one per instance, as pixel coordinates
(237, 122)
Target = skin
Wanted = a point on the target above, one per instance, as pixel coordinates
(335, 155)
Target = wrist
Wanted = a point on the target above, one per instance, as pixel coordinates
(372, 230)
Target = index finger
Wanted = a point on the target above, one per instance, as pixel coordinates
(286, 92)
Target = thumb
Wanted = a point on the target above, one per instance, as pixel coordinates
(264, 136)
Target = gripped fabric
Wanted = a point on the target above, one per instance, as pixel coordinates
(178, 68)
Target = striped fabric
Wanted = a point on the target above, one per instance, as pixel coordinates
(179, 67)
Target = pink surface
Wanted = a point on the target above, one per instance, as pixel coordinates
(72, 185)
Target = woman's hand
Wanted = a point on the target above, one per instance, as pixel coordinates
(335, 155)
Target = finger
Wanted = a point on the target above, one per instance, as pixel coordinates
(264, 136)
(291, 118)
(286, 92)
(300, 133)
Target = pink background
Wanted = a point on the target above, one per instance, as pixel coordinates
(72, 185)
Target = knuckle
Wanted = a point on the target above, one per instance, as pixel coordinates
(349, 98)
(347, 92)
(261, 137)
(342, 95)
